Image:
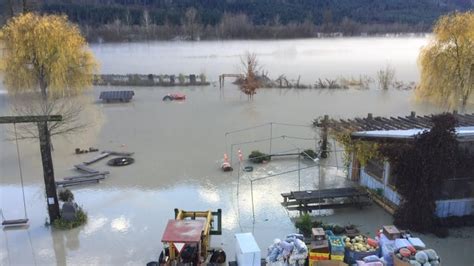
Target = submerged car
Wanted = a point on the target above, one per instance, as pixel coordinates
(174, 96)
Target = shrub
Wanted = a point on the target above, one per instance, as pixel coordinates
(304, 224)
(81, 218)
(338, 230)
(259, 157)
(66, 195)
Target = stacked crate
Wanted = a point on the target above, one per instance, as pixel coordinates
(319, 246)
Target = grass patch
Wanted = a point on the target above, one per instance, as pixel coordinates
(259, 157)
(81, 218)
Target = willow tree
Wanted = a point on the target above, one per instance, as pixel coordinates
(46, 59)
(447, 62)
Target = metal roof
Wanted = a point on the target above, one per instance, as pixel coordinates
(116, 95)
(462, 133)
(371, 123)
(183, 231)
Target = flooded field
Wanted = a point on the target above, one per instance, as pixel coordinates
(179, 147)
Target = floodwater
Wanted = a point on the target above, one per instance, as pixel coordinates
(179, 146)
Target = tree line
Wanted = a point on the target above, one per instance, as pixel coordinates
(224, 19)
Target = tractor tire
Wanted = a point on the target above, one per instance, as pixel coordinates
(218, 256)
(161, 259)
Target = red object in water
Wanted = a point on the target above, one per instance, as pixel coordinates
(178, 96)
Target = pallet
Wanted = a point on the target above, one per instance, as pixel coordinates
(75, 182)
(97, 158)
(86, 169)
(87, 175)
(118, 153)
(16, 222)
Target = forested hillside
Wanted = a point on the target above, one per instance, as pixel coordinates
(245, 18)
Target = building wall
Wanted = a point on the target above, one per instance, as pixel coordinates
(457, 207)
(444, 208)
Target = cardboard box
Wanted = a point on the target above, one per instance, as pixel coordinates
(399, 262)
(330, 263)
(391, 232)
(318, 233)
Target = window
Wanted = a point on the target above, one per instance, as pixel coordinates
(375, 169)
(392, 178)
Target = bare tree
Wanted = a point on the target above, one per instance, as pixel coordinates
(386, 77)
(250, 68)
(146, 22)
(31, 104)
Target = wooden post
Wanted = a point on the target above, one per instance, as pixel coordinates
(413, 114)
(324, 131)
(48, 171)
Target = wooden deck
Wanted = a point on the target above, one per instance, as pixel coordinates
(308, 200)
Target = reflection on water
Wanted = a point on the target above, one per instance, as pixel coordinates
(94, 224)
(120, 224)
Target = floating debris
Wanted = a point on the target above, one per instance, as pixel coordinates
(121, 161)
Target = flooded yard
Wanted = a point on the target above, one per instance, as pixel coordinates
(179, 147)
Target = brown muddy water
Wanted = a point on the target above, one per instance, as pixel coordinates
(179, 146)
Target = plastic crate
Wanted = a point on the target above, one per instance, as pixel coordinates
(337, 257)
(352, 256)
(317, 256)
(336, 249)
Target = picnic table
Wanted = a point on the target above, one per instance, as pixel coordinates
(308, 200)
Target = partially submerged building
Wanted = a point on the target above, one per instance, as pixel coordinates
(457, 194)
